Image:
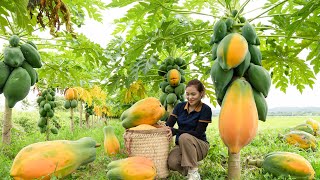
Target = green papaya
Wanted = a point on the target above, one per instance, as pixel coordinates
(229, 23)
(32, 73)
(178, 61)
(249, 33)
(31, 55)
(259, 78)
(13, 56)
(171, 98)
(261, 104)
(14, 41)
(169, 89)
(17, 86)
(179, 90)
(4, 74)
(54, 130)
(162, 70)
(42, 122)
(220, 79)
(74, 103)
(32, 44)
(242, 68)
(163, 98)
(255, 54)
(163, 86)
(214, 51)
(67, 104)
(219, 30)
(234, 13)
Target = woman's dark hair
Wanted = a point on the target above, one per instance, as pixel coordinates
(198, 84)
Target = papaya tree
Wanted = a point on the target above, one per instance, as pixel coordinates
(161, 29)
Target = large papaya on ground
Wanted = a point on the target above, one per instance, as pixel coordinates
(232, 51)
(301, 139)
(59, 158)
(238, 119)
(111, 142)
(146, 111)
(17, 86)
(315, 126)
(131, 168)
(286, 164)
(31, 55)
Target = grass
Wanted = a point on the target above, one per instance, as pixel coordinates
(214, 166)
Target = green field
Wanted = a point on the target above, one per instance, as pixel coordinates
(214, 166)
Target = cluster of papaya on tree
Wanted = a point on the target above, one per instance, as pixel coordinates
(47, 123)
(17, 73)
(172, 86)
(236, 55)
(70, 96)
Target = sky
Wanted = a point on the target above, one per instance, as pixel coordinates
(101, 33)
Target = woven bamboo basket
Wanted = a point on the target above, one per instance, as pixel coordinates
(153, 144)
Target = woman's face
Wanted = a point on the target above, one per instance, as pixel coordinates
(193, 95)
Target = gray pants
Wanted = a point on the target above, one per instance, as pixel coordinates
(187, 154)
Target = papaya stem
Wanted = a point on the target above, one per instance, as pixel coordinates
(295, 37)
(269, 9)
(241, 8)
(187, 32)
(257, 162)
(71, 120)
(48, 129)
(80, 111)
(7, 124)
(186, 12)
(98, 145)
(234, 168)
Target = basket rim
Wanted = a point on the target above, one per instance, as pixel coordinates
(149, 131)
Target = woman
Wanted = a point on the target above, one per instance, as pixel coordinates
(192, 117)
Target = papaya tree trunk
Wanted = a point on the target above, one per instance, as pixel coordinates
(71, 120)
(80, 111)
(48, 130)
(87, 119)
(7, 124)
(234, 168)
(92, 119)
(170, 108)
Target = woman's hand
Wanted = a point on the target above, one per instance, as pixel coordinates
(169, 133)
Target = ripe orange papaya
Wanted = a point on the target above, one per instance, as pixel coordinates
(301, 139)
(232, 51)
(70, 94)
(111, 142)
(286, 164)
(174, 77)
(132, 168)
(238, 119)
(59, 158)
(146, 111)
